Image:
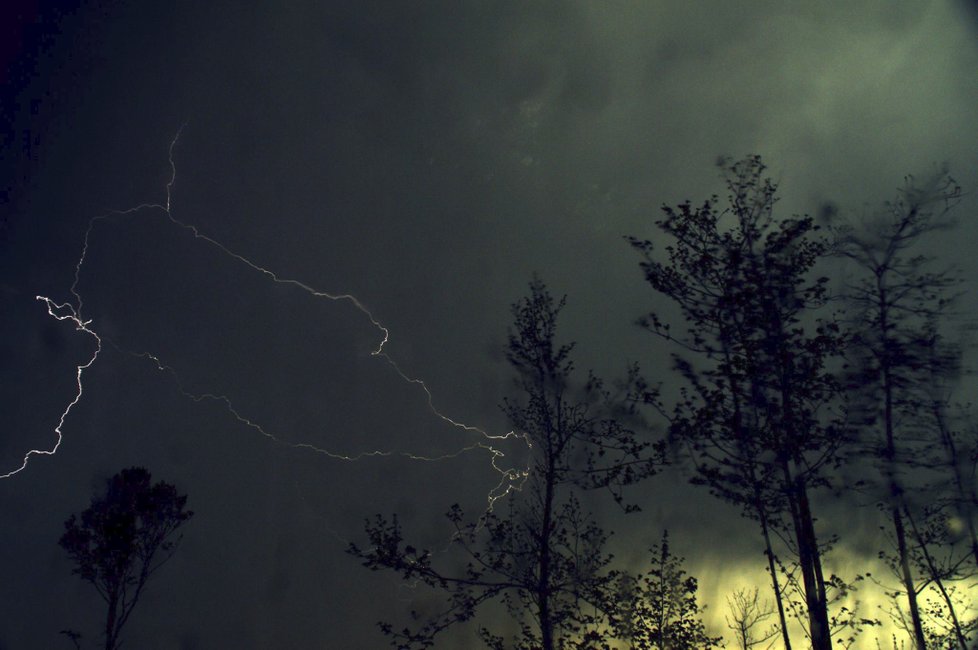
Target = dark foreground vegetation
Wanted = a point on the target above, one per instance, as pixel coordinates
(810, 359)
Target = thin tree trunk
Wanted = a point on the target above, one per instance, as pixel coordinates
(896, 490)
(760, 508)
(811, 567)
(796, 490)
(797, 505)
(769, 552)
(543, 586)
(907, 579)
(110, 618)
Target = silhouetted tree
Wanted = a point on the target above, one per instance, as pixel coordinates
(121, 539)
(658, 610)
(895, 303)
(753, 414)
(539, 554)
(747, 612)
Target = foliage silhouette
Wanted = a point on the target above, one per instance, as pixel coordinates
(754, 412)
(540, 555)
(659, 609)
(121, 539)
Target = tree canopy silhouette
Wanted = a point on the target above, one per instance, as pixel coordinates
(659, 609)
(753, 411)
(540, 554)
(121, 539)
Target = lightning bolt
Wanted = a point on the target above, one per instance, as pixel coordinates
(510, 479)
(63, 312)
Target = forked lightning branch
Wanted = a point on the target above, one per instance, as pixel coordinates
(509, 479)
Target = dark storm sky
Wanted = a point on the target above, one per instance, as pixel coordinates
(426, 157)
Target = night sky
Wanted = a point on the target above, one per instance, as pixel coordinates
(418, 162)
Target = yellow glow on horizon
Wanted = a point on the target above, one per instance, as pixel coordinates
(720, 577)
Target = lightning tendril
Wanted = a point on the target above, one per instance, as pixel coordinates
(510, 479)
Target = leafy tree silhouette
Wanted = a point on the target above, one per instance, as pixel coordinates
(544, 557)
(121, 539)
(753, 412)
(659, 609)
